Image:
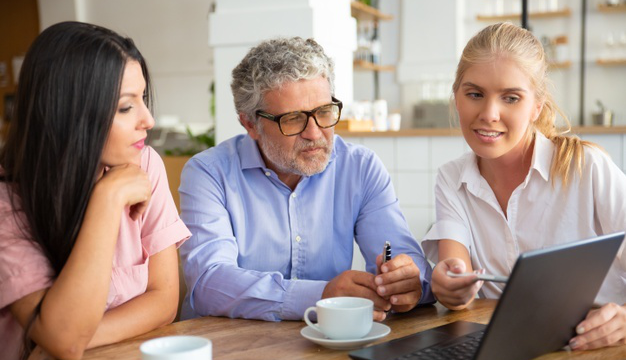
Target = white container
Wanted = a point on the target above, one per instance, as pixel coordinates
(380, 115)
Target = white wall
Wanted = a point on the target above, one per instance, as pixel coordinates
(172, 36)
(54, 11)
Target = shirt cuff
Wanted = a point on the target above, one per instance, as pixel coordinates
(427, 294)
(426, 273)
(300, 295)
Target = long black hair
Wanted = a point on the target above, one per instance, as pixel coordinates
(66, 99)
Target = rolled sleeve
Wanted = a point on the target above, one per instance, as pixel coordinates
(444, 229)
(161, 225)
(162, 239)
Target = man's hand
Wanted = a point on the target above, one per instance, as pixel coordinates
(357, 284)
(602, 327)
(399, 281)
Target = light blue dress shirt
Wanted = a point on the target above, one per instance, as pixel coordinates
(259, 250)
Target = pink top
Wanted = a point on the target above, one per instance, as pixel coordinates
(24, 269)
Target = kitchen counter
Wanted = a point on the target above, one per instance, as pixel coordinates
(457, 132)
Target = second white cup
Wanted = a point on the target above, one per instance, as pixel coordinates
(177, 348)
(342, 318)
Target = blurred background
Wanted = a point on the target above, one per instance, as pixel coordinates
(395, 63)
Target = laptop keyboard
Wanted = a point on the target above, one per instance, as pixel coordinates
(461, 349)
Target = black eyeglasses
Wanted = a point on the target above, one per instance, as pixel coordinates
(294, 123)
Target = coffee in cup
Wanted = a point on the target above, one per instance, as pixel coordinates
(342, 318)
(177, 348)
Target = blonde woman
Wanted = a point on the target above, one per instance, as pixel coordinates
(524, 185)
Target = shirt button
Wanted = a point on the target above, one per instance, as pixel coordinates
(298, 238)
(293, 195)
(267, 173)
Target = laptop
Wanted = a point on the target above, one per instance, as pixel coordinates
(548, 293)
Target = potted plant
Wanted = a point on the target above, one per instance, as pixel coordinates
(176, 158)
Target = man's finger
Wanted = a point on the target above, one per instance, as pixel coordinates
(364, 279)
(399, 268)
(399, 287)
(396, 263)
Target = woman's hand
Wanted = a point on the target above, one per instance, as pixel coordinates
(129, 186)
(602, 327)
(454, 293)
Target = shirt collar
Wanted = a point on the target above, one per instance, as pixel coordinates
(469, 171)
(542, 155)
(541, 162)
(251, 156)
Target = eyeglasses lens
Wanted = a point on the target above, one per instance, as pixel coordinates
(295, 123)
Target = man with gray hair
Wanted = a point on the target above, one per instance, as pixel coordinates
(273, 213)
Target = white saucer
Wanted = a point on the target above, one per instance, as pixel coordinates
(378, 331)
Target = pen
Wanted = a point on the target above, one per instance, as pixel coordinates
(386, 252)
(387, 257)
(484, 277)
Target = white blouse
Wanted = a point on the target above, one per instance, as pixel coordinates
(539, 215)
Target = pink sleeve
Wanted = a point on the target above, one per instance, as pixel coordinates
(23, 267)
(161, 226)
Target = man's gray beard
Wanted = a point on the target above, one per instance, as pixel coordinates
(287, 162)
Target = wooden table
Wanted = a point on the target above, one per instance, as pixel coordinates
(238, 339)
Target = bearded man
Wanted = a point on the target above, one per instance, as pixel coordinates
(274, 213)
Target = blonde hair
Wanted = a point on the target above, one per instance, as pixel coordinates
(505, 40)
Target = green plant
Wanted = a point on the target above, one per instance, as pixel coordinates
(197, 144)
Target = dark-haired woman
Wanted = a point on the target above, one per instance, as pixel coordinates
(88, 227)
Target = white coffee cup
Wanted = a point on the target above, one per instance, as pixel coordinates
(342, 318)
(177, 348)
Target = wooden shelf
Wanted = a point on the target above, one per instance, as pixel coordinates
(354, 125)
(560, 65)
(611, 62)
(621, 8)
(533, 15)
(361, 11)
(366, 65)
(447, 131)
